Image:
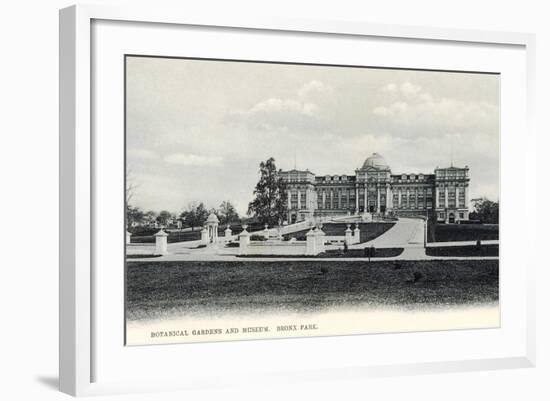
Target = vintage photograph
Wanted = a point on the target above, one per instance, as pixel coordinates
(269, 200)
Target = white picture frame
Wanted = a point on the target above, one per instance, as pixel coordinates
(77, 369)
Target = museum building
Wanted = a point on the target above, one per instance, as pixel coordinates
(375, 189)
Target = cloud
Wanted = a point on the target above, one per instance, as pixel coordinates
(313, 88)
(405, 88)
(187, 159)
(411, 111)
(300, 112)
(409, 89)
(276, 105)
(391, 87)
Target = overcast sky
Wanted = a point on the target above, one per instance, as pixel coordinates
(197, 129)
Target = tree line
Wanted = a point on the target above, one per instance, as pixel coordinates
(193, 216)
(269, 205)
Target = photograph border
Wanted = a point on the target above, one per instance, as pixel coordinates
(76, 171)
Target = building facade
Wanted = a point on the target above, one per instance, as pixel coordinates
(374, 189)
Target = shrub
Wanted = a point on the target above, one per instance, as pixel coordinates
(257, 238)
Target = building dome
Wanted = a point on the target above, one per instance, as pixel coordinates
(376, 161)
(212, 218)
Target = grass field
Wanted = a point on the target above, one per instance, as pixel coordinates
(172, 289)
(467, 250)
(338, 253)
(465, 232)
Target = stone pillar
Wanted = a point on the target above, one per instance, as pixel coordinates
(128, 237)
(425, 232)
(377, 198)
(161, 243)
(324, 197)
(365, 201)
(244, 241)
(348, 237)
(446, 197)
(389, 198)
(356, 199)
(457, 202)
(204, 236)
(311, 243)
(399, 197)
(436, 196)
(266, 232)
(228, 233)
(288, 199)
(299, 199)
(320, 239)
(356, 235)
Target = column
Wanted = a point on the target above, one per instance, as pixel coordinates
(466, 197)
(377, 198)
(288, 200)
(446, 197)
(244, 241)
(416, 197)
(399, 197)
(356, 198)
(324, 196)
(228, 233)
(348, 237)
(299, 196)
(408, 199)
(425, 199)
(161, 243)
(332, 198)
(389, 198)
(457, 202)
(436, 196)
(356, 234)
(311, 243)
(365, 208)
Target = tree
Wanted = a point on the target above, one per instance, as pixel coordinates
(164, 217)
(270, 203)
(150, 217)
(227, 213)
(195, 215)
(485, 211)
(134, 215)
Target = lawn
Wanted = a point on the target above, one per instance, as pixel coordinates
(467, 250)
(465, 232)
(172, 237)
(338, 253)
(158, 289)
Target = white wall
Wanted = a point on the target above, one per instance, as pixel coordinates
(28, 165)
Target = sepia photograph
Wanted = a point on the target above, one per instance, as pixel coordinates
(280, 200)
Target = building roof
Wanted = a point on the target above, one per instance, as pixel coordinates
(212, 218)
(377, 161)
